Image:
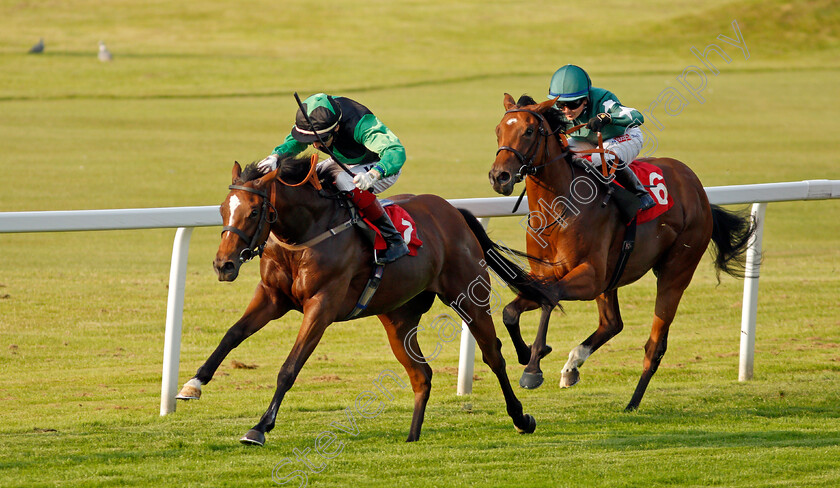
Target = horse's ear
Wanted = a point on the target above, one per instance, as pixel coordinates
(542, 107)
(509, 102)
(236, 172)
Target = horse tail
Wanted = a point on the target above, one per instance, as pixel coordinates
(513, 275)
(731, 233)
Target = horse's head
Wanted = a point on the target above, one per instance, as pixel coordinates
(257, 202)
(247, 215)
(522, 136)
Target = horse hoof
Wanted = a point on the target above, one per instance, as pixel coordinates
(530, 425)
(253, 438)
(569, 378)
(531, 381)
(188, 393)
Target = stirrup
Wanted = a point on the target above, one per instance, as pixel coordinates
(646, 201)
(391, 253)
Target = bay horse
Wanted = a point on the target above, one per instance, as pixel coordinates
(310, 267)
(578, 239)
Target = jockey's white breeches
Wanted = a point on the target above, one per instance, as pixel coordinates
(627, 147)
(344, 182)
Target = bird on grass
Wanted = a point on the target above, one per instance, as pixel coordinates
(37, 48)
(104, 53)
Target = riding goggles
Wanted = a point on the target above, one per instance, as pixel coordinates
(571, 105)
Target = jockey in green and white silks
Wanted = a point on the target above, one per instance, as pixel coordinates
(601, 111)
(361, 142)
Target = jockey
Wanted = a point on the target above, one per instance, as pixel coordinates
(600, 110)
(360, 141)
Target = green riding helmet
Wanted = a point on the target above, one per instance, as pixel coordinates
(324, 113)
(569, 83)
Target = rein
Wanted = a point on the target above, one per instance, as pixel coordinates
(607, 172)
(528, 167)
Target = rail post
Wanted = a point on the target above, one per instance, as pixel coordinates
(466, 359)
(174, 318)
(749, 307)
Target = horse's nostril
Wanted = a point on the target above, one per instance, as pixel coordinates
(228, 267)
(503, 177)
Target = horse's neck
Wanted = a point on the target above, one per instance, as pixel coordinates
(566, 202)
(304, 214)
(550, 189)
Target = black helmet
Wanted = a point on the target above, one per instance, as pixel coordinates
(323, 111)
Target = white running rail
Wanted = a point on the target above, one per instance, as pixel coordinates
(187, 218)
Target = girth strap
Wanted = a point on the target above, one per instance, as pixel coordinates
(368, 292)
(624, 255)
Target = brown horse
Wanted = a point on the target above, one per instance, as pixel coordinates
(578, 239)
(310, 266)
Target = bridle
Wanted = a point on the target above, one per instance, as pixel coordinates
(528, 167)
(255, 248)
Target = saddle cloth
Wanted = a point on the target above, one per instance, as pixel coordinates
(404, 225)
(650, 176)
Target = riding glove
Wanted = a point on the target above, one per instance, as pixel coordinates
(364, 181)
(268, 164)
(598, 122)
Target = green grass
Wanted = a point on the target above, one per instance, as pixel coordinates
(195, 87)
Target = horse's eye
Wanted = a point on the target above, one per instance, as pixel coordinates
(529, 131)
(254, 214)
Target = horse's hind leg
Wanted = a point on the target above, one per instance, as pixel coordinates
(491, 353)
(481, 326)
(657, 344)
(401, 326)
(510, 317)
(609, 325)
(675, 274)
(264, 307)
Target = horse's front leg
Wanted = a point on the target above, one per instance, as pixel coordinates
(265, 306)
(510, 317)
(315, 322)
(578, 284)
(609, 325)
(532, 377)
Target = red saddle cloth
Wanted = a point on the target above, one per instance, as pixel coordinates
(404, 224)
(651, 176)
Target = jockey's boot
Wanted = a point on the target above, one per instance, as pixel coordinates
(630, 181)
(371, 209)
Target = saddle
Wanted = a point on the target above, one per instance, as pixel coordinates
(628, 207)
(401, 219)
(628, 203)
(403, 222)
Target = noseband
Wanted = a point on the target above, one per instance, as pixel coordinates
(254, 247)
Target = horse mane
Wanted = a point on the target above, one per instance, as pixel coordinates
(292, 170)
(555, 118)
